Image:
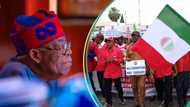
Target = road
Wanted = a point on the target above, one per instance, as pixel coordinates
(149, 102)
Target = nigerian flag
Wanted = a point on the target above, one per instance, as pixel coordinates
(166, 40)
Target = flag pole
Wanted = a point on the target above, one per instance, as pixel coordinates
(139, 15)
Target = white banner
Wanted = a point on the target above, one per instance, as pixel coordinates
(135, 67)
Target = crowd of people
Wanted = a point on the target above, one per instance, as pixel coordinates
(106, 57)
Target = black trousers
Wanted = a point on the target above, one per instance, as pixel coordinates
(159, 88)
(182, 84)
(100, 75)
(108, 89)
(167, 90)
(164, 89)
(91, 80)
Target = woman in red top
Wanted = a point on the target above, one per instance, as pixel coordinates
(113, 59)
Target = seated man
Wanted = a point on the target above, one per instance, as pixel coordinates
(43, 52)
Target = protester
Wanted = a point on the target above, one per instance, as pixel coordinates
(100, 67)
(163, 85)
(113, 59)
(181, 79)
(91, 61)
(122, 46)
(138, 82)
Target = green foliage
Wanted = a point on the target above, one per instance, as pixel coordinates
(114, 14)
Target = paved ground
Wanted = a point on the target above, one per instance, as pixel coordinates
(149, 102)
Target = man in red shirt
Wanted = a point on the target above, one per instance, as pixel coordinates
(181, 79)
(113, 71)
(91, 61)
(163, 84)
(100, 66)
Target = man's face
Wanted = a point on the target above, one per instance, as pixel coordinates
(110, 43)
(98, 40)
(56, 60)
(135, 38)
(120, 41)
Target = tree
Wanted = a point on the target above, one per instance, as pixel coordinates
(114, 14)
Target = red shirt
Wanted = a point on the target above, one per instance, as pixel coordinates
(183, 64)
(100, 52)
(113, 70)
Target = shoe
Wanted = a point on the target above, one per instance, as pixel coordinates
(102, 100)
(108, 105)
(137, 106)
(161, 104)
(123, 102)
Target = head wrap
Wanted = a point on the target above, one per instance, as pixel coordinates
(36, 30)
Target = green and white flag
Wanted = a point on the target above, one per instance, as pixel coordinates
(166, 40)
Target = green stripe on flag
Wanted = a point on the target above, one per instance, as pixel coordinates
(176, 22)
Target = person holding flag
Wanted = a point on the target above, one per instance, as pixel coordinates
(100, 66)
(113, 71)
(165, 41)
(138, 82)
(91, 61)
